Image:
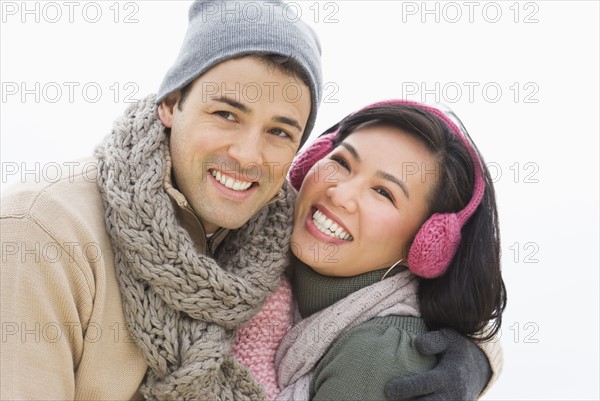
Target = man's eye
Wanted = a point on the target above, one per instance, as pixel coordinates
(281, 133)
(226, 115)
(340, 160)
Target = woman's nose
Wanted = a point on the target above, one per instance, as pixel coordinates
(343, 195)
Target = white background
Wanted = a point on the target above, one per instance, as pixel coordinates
(523, 77)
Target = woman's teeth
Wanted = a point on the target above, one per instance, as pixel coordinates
(329, 227)
(231, 183)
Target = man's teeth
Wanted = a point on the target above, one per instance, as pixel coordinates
(329, 227)
(230, 182)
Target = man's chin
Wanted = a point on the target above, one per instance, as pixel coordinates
(232, 220)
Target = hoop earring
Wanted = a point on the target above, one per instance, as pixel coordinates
(392, 267)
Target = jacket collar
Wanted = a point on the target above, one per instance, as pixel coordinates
(317, 292)
(187, 217)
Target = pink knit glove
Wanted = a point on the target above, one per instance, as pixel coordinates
(256, 343)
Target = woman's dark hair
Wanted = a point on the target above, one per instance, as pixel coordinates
(471, 293)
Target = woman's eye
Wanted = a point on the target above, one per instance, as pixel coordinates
(385, 193)
(340, 160)
(226, 115)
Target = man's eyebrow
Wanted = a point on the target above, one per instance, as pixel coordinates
(288, 121)
(232, 103)
(380, 173)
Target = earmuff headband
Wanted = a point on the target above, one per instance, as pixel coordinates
(439, 237)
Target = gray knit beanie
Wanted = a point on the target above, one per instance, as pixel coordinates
(220, 30)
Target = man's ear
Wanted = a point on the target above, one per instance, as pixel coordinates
(166, 108)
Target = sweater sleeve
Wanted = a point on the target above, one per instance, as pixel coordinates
(47, 293)
(64, 333)
(360, 362)
(42, 323)
(493, 352)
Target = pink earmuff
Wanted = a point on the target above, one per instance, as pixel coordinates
(438, 239)
(317, 150)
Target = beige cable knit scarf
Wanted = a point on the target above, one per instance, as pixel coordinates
(183, 307)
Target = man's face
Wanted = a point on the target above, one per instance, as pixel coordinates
(234, 138)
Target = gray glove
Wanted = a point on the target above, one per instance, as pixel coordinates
(462, 371)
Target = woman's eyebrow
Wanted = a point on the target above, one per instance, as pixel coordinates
(352, 151)
(392, 178)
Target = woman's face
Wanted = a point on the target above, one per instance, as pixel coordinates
(360, 207)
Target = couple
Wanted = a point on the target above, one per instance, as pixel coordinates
(194, 222)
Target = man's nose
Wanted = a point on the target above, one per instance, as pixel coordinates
(247, 148)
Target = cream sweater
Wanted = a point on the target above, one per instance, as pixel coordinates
(64, 332)
(64, 335)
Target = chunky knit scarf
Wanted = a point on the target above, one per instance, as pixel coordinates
(305, 344)
(183, 307)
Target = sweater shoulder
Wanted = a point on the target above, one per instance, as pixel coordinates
(60, 214)
(53, 185)
(68, 205)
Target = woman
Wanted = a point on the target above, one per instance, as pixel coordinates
(395, 234)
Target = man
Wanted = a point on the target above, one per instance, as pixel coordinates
(128, 277)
